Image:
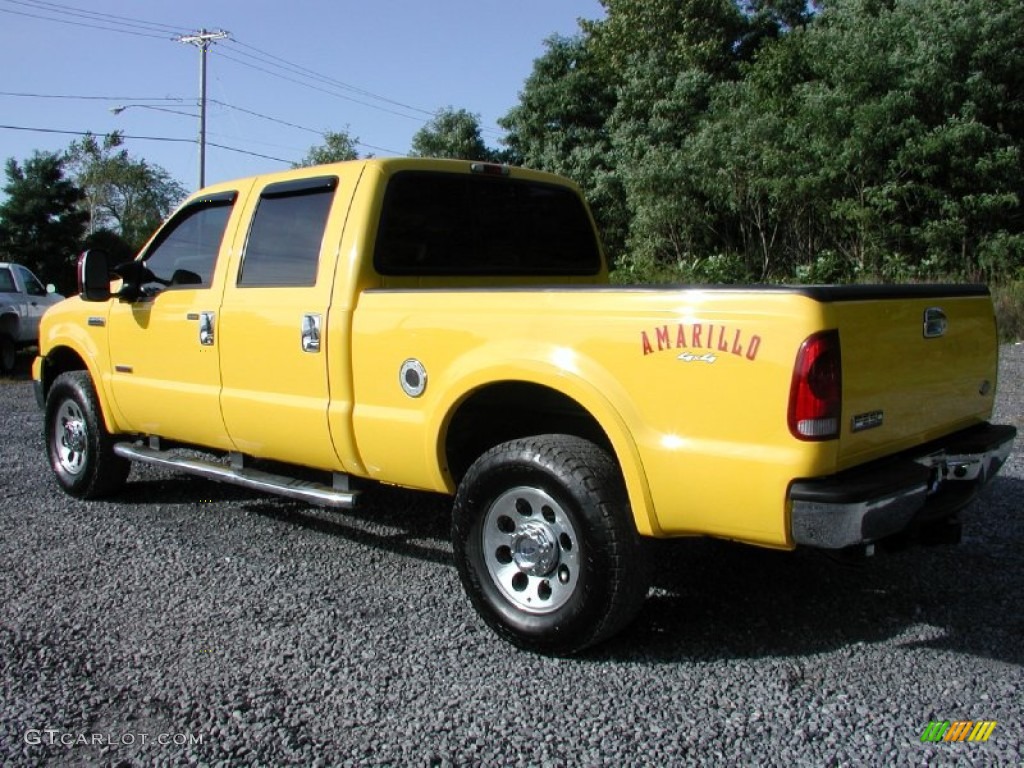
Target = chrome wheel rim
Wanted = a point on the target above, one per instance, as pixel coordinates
(531, 549)
(70, 437)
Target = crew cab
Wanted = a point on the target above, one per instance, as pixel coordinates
(23, 300)
(448, 326)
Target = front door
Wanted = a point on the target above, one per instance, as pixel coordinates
(164, 346)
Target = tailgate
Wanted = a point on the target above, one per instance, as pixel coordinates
(904, 383)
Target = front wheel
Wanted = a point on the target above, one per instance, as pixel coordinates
(80, 450)
(8, 354)
(545, 544)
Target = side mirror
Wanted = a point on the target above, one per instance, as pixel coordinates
(135, 274)
(94, 275)
(51, 288)
(185, 277)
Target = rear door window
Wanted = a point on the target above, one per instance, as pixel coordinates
(287, 231)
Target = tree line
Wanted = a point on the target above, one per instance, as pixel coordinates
(848, 140)
(719, 141)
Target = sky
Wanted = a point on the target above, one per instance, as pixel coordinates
(287, 72)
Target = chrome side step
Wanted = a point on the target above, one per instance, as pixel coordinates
(305, 490)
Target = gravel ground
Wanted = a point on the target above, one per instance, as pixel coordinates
(193, 623)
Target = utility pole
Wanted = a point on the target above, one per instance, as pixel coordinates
(202, 40)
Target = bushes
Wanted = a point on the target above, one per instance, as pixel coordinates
(1009, 303)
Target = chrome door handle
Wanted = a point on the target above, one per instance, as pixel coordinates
(310, 333)
(206, 322)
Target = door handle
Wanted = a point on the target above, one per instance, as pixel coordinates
(206, 325)
(310, 333)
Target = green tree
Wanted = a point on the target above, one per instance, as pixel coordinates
(915, 110)
(338, 146)
(122, 194)
(667, 57)
(773, 139)
(41, 223)
(452, 133)
(560, 125)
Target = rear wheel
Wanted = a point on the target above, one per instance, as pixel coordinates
(545, 544)
(80, 450)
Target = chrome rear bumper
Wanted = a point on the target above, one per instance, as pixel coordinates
(883, 498)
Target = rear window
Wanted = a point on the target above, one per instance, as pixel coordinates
(455, 224)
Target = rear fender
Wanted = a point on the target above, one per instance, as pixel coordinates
(593, 392)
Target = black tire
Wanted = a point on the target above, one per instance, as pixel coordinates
(8, 354)
(546, 546)
(80, 450)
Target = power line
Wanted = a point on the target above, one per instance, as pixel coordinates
(281, 63)
(266, 117)
(247, 152)
(296, 125)
(169, 139)
(78, 23)
(179, 100)
(91, 98)
(93, 133)
(320, 89)
(97, 15)
(305, 72)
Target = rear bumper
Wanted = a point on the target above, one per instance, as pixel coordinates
(883, 498)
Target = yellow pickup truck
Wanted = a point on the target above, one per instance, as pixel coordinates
(447, 326)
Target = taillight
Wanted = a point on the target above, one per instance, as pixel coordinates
(816, 395)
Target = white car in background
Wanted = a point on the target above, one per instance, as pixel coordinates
(23, 300)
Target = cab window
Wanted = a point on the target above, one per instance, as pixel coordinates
(185, 252)
(283, 247)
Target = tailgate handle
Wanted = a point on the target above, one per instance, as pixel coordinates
(935, 323)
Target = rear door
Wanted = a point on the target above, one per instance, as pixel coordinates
(276, 384)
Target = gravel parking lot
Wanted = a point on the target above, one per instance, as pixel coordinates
(188, 622)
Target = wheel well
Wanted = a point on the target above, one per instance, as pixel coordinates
(510, 410)
(60, 360)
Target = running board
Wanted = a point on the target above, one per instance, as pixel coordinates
(305, 490)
